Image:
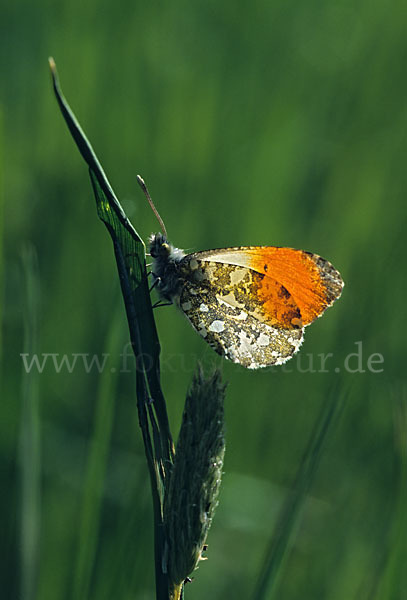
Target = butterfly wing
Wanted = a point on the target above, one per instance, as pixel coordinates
(251, 303)
(312, 282)
(222, 302)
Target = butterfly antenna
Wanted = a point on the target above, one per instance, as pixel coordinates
(143, 186)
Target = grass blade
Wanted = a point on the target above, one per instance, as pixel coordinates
(30, 454)
(267, 580)
(95, 471)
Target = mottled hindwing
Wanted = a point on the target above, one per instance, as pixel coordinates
(251, 303)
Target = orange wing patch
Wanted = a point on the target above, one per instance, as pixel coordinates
(311, 280)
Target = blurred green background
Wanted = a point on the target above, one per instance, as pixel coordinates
(277, 123)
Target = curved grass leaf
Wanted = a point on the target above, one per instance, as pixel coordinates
(130, 258)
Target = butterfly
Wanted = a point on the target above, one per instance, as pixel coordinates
(250, 303)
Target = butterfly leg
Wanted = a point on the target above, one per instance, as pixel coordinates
(161, 303)
(155, 282)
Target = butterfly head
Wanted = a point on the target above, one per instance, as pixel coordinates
(166, 265)
(161, 250)
(159, 246)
